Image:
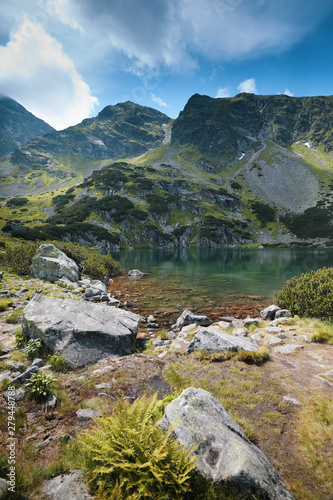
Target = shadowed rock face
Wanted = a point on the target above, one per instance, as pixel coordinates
(226, 455)
(80, 332)
(228, 127)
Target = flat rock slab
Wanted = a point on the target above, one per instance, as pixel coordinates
(69, 486)
(79, 331)
(213, 339)
(226, 455)
(288, 349)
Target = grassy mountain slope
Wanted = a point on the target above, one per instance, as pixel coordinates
(276, 192)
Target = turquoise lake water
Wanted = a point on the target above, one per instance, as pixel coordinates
(222, 275)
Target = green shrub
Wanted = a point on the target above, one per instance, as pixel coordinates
(129, 448)
(309, 295)
(58, 363)
(40, 385)
(19, 256)
(33, 349)
(15, 317)
(4, 304)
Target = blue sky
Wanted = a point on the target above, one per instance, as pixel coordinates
(64, 60)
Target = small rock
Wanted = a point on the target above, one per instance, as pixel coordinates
(171, 335)
(19, 394)
(159, 343)
(304, 337)
(282, 313)
(293, 401)
(282, 336)
(273, 329)
(129, 303)
(256, 336)
(87, 414)
(330, 373)
(223, 324)
(51, 400)
(135, 272)
(68, 486)
(114, 302)
(26, 375)
(250, 321)
(269, 312)
(38, 362)
(3, 482)
(151, 319)
(236, 323)
(239, 332)
(274, 341)
(104, 385)
(188, 317)
(164, 353)
(152, 326)
(288, 349)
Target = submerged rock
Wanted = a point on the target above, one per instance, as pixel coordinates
(213, 339)
(226, 455)
(135, 272)
(51, 264)
(81, 332)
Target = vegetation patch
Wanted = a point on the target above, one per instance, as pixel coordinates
(263, 212)
(309, 295)
(315, 222)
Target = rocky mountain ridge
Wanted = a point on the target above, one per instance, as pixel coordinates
(18, 126)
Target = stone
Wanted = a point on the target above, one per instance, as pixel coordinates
(129, 303)
(269, 312)
(250, 321)
(171, 335)
(213, 339)
(188, 317)
(20, 394)
(51, 264)
(274, 341)
(6, 375)
(223, 324)
(306, 338)
(68, 486)
(282, 336)
(135, 273)
(282, 313)
(151, 319)
(236, 323)
(239, 332)
(114, 302)
(330, 373)
(87, 414)
(160, 343)
(3, 487)
(25, 375)
(81, 332)
(273, 329)
(288, 349)
(256, 336)
(291, 400)
(225, 454)
(103, 385)
(38, 362)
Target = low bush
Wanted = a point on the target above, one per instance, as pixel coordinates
(309, 295)
(4, 304)
(58, 363)
(33, 349)
(127, 451)
(40, 385)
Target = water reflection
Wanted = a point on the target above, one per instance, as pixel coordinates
(225, 272)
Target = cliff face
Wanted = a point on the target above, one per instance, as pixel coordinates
(228, 128)
(18, 126)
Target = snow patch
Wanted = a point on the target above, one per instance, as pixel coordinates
(97, 141)
(241, 156)
(307, 144)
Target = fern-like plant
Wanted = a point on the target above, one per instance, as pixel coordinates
(129, 448)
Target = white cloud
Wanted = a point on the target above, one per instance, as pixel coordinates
(248, 86)
(36, 72)
(223, 92)
(158, 100)
(288, 92)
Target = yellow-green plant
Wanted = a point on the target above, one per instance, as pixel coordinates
(129, 448)
(40, 385)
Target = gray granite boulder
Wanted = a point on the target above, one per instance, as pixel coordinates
(269, 312)
(51, 264)
(81, 332)
(69, 486)
(226, 455)
(188, 318)
(3, 487)
(213, 339)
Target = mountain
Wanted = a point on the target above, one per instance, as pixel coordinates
(18, 126)
(227, 172)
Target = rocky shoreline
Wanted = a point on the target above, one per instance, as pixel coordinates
(107, 373)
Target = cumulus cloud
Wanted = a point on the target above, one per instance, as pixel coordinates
(248, 86)
(36, 72)
(288, 92)
(158, 100)
(223, 92)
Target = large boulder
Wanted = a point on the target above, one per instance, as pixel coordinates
(81, 332)
(213, 339)
(69, 486)
(225, 454)
(51, 264)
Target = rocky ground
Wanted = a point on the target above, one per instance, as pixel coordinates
(267, 400)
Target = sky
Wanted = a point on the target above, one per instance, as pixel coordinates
(65, 60)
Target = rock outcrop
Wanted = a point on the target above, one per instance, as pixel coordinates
(78, 331)
(213, 339)
(226, 455)
(188, 318)
(51, 264)
(69, 486)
